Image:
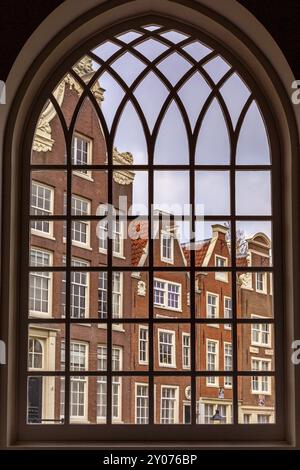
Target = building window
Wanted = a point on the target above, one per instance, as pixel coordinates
(117, 294)
(81, 153)
(79, 290)
(227, 311)
(261, 334)
(35, 354)
(212, 307)
(263, 419)
(212, 355)
(167, 247)
(261, 384)
(167, 295)
(228, 364)
(169, 405)
(186, 350)
(117, 232)
(210, 409)
(261, 283)
(42, 201)
(40, 285)
(247, 418)
(141, 403)
(143, 344)
(117, 364)
(166, 348)
(78, 384)
(221, 262)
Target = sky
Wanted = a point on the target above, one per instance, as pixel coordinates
(171, 188)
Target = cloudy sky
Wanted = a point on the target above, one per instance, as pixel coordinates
(171, 188)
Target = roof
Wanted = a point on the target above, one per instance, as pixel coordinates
(200, 253)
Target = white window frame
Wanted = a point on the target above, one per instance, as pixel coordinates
(219, 275)
(259, 378)
(227, 326)
(165, 290)
(87, 174)
(217, 307)
(102, 227)
(184, 347)
(36, 313)
(260, 331)
(80, 379)
(100, 380)
(87, 223)
(175, 400)
(35, 231)
(173, 348)
(31, 354)
(146, 341)
(170, 237)
(228, 379)
(146, 398)
(212, 381)
(264, 281)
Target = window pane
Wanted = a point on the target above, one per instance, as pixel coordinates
(256, 348)
(257, 400)
(255, 294)
(212, 193)
(258, 184)
(254, 243)
(214, 401)
(42, 405)
(171, 393)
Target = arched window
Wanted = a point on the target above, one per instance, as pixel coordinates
(152, 251)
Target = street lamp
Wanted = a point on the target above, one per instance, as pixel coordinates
(217, 418)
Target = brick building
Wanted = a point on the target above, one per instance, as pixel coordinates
(171, 294)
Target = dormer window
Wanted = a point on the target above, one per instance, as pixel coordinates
(81, 154)
(167, 247)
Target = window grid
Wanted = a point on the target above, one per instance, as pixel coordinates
(191, 269)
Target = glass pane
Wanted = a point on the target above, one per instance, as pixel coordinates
(129, 36)
(213, 294)
(174, 67)
(213, 146)
(194, 86)
(172, 347)
(254, 243)
(130, 143)
(235, 94)
(214, 350)
(258, 184)
(197, 50)
(212, 192)
(256, 407)
(253, 143)
(174, 36)
(43, 404)
(171, 394)
(216, 68)
(256, 346)
(113, 96)
(171, 294)
(47, 242)
(214, 400)
(255, 294)
(84, 395)
(128, 67)
(106, 50)
(44, 346)
(151, 48)
(173, 202)
(212, 243)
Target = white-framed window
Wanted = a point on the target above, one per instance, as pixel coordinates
(186, 350)
(81, 154)
(143, 344)
(169, 404)
(35, 353)
(261, 384)
(117, 294)
(212, 361)
(117, 364)
(247, 418)
(221, 262)
(166, 348)
(228, 364)
(40, 283)
(167, 247)
(78, 384)
(261, 282)
(211, 408)
(42, 203)
(261, 334)
(81, 228)
(141, 403)
(263, 419)
(79, 291)
(212, 305)
(227, 311)
(167, 294)
(118, 230)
